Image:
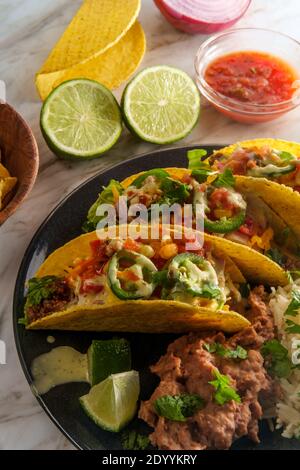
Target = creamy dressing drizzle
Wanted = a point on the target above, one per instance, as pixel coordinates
(59, 366)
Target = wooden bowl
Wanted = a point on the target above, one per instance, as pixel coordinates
(19, 154)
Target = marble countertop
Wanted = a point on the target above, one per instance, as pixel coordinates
(29, 28)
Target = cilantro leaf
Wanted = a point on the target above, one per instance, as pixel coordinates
(275, 255)
(292, 327)
(160, 278)
(178, 407)
(173, 191)
(40, 289)
(132, 440)
(224, 391)
(194, 157)
(294, 304)
(225, 179)
(280, 363)
(105, 197)
(218, 348)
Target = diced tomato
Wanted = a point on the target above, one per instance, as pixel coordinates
(296, 188)
(131, 245)
(96, 245)
(90, 288)
(248, 227)
(219, 199)
(186, 179)
(128, 276)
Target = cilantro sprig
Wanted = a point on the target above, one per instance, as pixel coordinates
(40, 289)
(178, 407)
(280, 364)
(224, 392)
(218, 348)
(294, 304)
(132, 440)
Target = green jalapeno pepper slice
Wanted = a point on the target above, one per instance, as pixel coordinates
(195, 275)
(139, 284)
(225, 225)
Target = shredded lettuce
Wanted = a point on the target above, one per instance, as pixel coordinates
(194, 157)
(105, 197)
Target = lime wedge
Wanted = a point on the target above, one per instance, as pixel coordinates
(80, 119)
(161, 104)
(106, 357)
(112, 403)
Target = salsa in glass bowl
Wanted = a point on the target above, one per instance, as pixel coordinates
(250, 74)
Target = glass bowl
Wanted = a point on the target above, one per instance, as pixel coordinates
(248, 39)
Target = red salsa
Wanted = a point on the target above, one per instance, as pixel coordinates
(252, 77)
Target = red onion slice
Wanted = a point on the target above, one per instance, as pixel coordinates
(202, 16)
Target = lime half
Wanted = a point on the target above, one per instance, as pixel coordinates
(112, 403)
(81, 119)
(161, 104)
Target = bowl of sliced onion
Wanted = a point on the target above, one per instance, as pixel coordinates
(202, 16)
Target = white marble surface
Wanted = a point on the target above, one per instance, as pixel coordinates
(28, 30)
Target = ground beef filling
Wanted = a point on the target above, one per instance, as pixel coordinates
(187, 367)
(60, 297)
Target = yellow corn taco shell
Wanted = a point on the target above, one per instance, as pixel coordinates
(97, 26)
(4, 173)
(148, 316)
(283, 200)
(111, 68)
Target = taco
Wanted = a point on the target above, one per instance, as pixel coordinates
(231, 210)
(143, 285)
(272, 170)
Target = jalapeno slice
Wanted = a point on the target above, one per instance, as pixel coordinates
(225, 225)
(222, 224)
(195, 275)
(130, 275)
(270, 170)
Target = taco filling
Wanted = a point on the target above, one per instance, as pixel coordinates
(261, 162)
(241, 217)
(135, 269)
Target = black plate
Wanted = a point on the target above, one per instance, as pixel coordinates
(61, 403)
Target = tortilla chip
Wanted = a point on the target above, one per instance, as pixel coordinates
(6, 185)
(111, 68)
(97, 26)
(4, 173)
